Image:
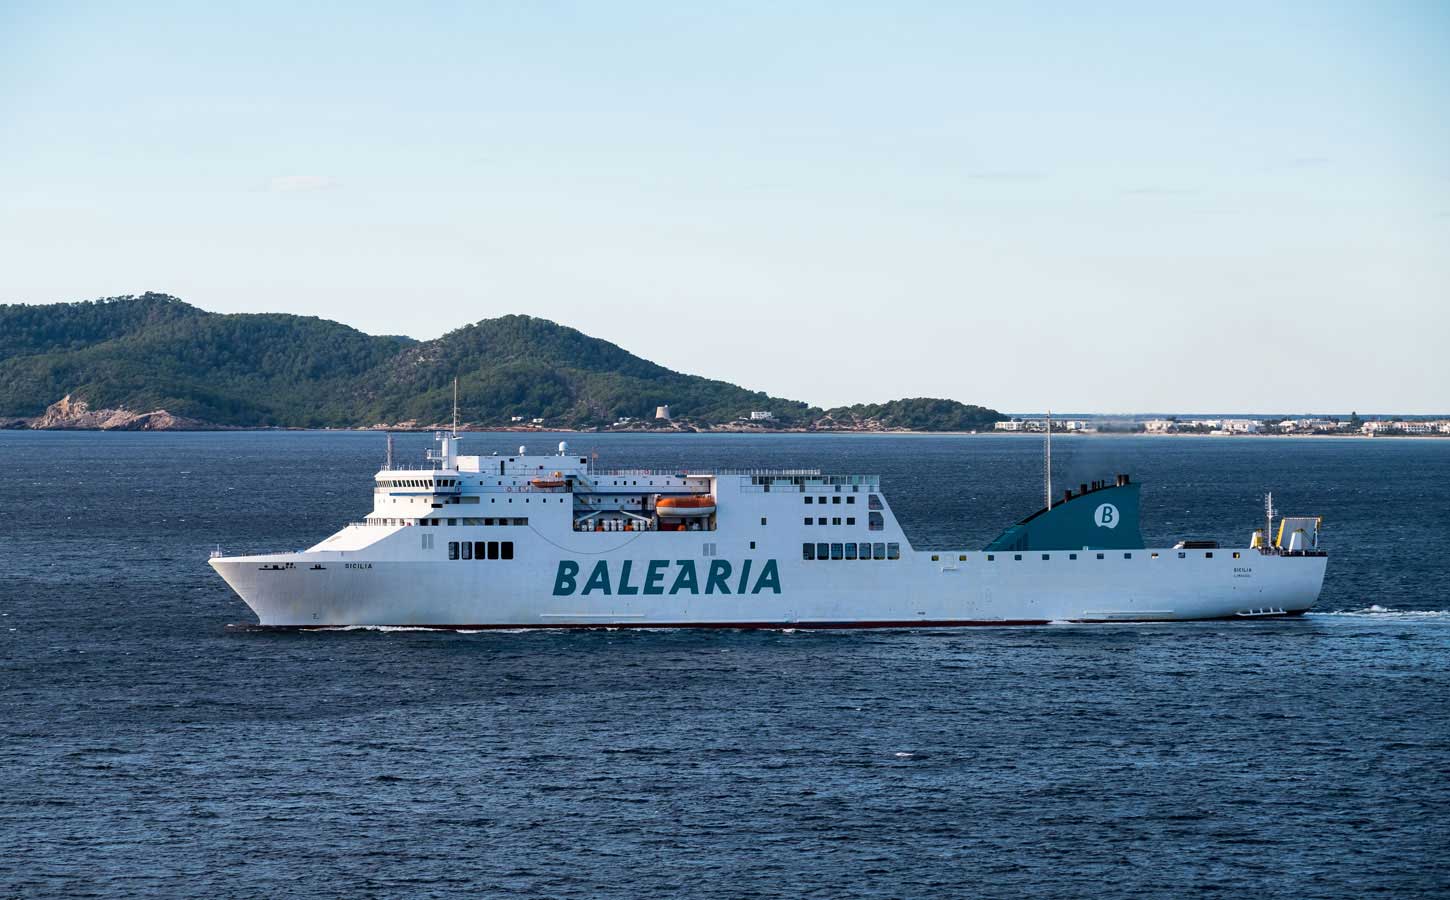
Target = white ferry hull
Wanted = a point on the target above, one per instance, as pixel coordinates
(353, 590)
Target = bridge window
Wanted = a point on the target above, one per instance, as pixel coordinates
(452, 549)
(480, 549)
(850, 551)
(493, 549)
(893, 551)
(808, 551)
(823, 551)
(506, 549)
(836, 551)
(467, 549)
(878, 551)
(875, 521)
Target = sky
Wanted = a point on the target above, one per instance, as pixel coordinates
(1090, 207)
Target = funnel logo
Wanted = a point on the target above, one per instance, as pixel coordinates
(1106, 516)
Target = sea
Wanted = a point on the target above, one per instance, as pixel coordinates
(152, 745)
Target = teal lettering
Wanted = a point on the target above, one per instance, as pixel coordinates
(654, 575)
(719, 571)
(686, 577)
(624, 586)
(744, 578)
(769, 578)
(598, 579)
(564, 579)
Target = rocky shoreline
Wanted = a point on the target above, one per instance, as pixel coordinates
(67, 414)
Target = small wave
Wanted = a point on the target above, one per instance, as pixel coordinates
(1375, 611)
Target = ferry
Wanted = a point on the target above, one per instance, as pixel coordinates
(553, 541)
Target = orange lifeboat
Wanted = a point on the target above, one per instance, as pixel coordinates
(684, 507)
(556, 481)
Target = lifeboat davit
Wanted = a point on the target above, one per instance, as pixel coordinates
(684, 507)
(555, 481)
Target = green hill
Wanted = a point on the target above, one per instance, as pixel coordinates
(157, 352)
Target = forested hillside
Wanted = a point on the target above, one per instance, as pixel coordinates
(154, 352)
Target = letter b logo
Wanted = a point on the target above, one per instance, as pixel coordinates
(1106, 516)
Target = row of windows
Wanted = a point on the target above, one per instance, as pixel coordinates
(992, 557)
(835, 498)
(850, 520)
(850, 551)
(419, 483)
(386, 521)
(480, 549)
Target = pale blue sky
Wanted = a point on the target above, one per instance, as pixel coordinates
(1111, 208)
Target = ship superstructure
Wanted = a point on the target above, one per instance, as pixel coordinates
(550, 540)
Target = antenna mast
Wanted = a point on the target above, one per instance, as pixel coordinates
(388, 464)
(1269, 519)
(455, 405)
(1047, 463)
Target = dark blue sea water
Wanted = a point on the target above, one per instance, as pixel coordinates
(148, 749)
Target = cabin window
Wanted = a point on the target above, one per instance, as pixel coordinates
(1046, 556)
(452, 549)
(1236, 555)
(991, 557)
(1208, 555)
(835, 520)
(506, 549)
(893, 551)
(835, 499)
(762, 520)
(480, 550)
(1182, 555)
(1100, 556)
(808, 551)
(962, 558)
(823, 551)
(850, 499)
(821, 520)
(1017, 556)
(1127, 556)
(935, 557)
(837, 551)
(452, 521)
(467, 549)
(493, 549)
(850, 520)
(873, 501)
(875, 521)
(810, 499)
(1072, 556)
(810, 521)
(850, 551)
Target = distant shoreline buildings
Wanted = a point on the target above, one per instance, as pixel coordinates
(1352, 425)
